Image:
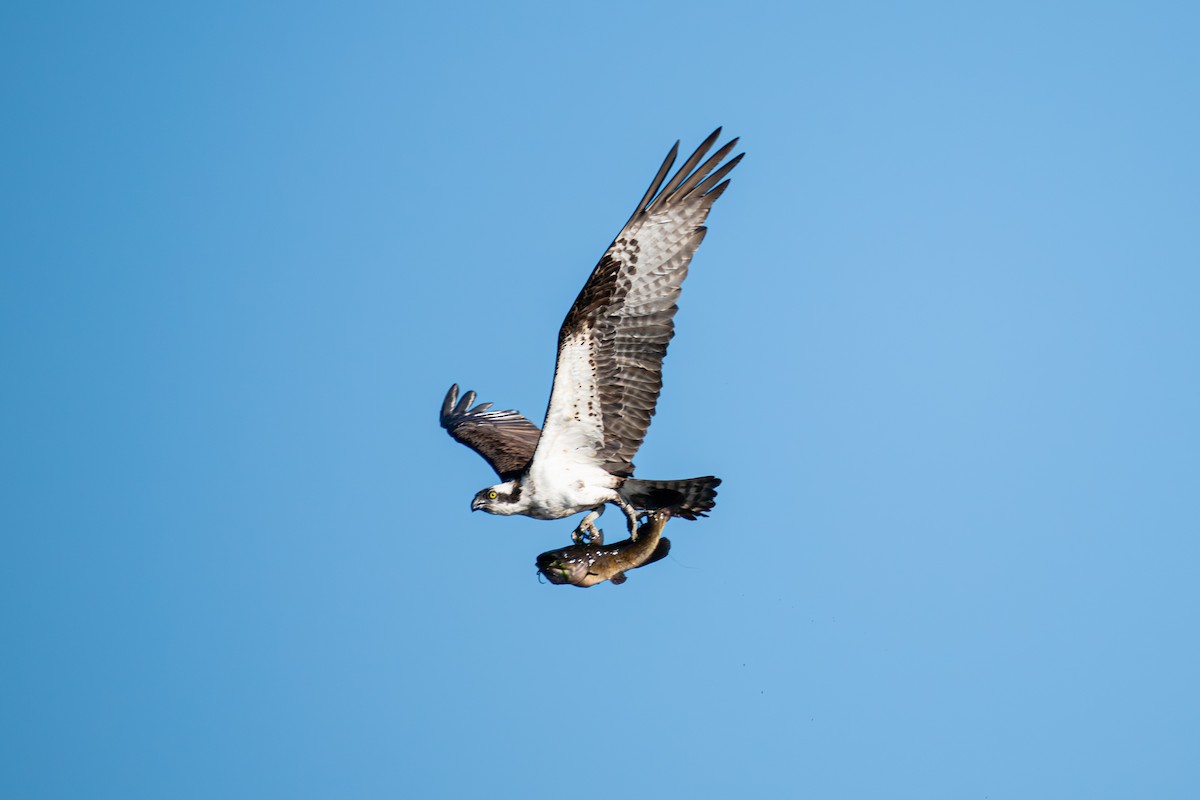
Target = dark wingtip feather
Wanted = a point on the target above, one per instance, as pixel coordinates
(702, 172)
(464, 405)
(667, 163)
(448, 404)
(688, 166)
(718, 191)
(707, 183)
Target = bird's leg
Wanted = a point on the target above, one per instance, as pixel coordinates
(631, 514)
(587, 532)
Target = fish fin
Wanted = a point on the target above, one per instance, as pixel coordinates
(660, 552)
(618, 579)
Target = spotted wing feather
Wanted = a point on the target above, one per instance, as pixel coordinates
(505, 439)
(614, 338)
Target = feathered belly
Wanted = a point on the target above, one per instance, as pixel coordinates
(568, 490)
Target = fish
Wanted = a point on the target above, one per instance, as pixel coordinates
(588, 564)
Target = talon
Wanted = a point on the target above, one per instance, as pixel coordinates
(633, 527)
(632, 515)
(587, 534)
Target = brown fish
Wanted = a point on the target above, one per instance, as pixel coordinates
(588, 564)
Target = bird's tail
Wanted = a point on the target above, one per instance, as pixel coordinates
(689, 498)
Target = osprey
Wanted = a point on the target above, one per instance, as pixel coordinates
(609, 372)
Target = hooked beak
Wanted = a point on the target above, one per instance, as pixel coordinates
(476, 504)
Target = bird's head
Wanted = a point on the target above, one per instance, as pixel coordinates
(503, 498)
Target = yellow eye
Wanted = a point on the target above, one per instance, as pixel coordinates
(491, 495)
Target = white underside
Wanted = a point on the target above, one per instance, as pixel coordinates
(565, 476)
(558, 488)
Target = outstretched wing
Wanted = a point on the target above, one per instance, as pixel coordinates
(613, 340)
(505, 439)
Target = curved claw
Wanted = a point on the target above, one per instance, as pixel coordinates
(587, 534)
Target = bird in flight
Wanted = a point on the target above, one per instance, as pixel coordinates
(609, 372)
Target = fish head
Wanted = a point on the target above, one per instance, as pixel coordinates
(568, 565)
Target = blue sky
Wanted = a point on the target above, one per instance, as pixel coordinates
(940, 343)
